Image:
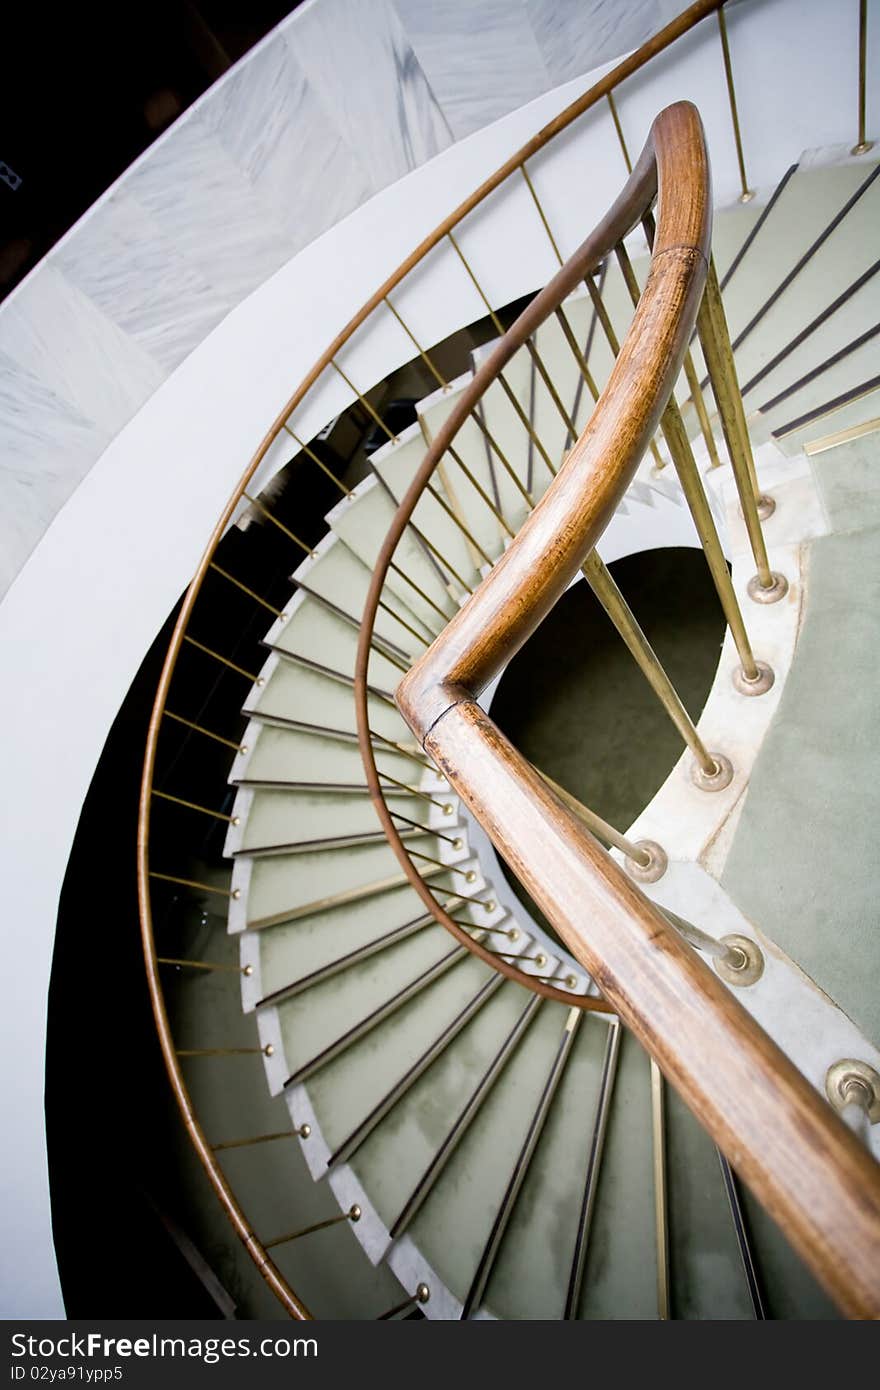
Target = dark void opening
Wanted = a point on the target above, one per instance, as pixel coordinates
(575, 704)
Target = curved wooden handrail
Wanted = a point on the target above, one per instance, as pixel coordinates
(661, 41)
(683, 234)
(810, 1172)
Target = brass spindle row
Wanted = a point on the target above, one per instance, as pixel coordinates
(766, 586)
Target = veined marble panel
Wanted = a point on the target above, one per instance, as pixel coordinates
(127, 266)
(208, 219)
(482, 60)
(575, 36)
(359, 58)
(274, 125)
(59, 336)
(46, 449)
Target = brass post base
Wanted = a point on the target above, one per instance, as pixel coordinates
(713, 781)
(852, 1082)
(747, 965)
(656, 866)
(770, 593)
(765, 506)
(761, 683)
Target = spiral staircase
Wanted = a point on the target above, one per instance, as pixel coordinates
(494, 1150)
(412, 1087)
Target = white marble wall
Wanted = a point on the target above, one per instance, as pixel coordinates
(341, 100)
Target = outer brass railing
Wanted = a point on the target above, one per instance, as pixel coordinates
(818, 1181)
(161, 715)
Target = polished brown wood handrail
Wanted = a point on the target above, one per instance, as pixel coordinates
(630, 65)
(681, 245)
(808, 1169)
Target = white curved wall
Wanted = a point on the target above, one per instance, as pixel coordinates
(85, 607)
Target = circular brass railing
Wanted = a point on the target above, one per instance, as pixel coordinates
(516, 164)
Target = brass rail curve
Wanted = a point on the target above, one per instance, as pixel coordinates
(681, 25)
(810, 1172)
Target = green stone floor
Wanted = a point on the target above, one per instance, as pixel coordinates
(803, 861)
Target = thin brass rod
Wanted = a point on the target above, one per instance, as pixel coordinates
(310, 453)
(484, 496)
(522, 1165)
(617, 126)
(386, 608)
(224, 661)
(527, 960)
(530, 452)
(454, 507)
(525, 421)
(434, 556)
(553, 393)
(439, 557)
(326, 731)
(463, 1119)
(490, 931)
(381, 646)
(415, 791)
(747, 193)
(204, 964)
(278, 612)
(343, 898)
(661, 1226)
(614, 343)
(543, 216)
(594, 1164)
(420, 1296)
(370, 409)
(476, 284)
(595, 824)
(508, 467)
(679, 447)
(701, 941)
(581, 360)
(863, 144)
(414, 753)
(465, 898)
(469, 875)
(218, 738)
(270, 516)
(194, 806)
(194, 883)
(438, 377)
(440, 1043)
(353, 1214)
(256, 1139)
(402, 574)
(602, 314)
(442, 382)
(360, 1030)
(455, 841)
(499, 517)
(586, 376)
(295, 659)
(453, 516)
(742, 1237)
(690, 373)
(621, 615)
(715, 341)
(222, 1051)
(502, 380)
(699, 401)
